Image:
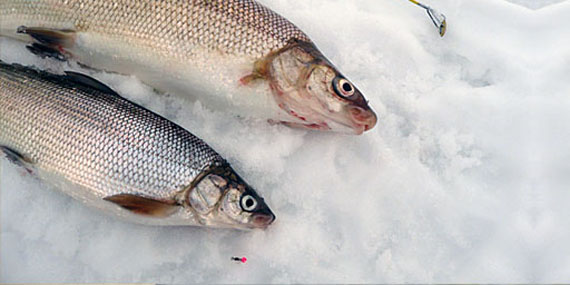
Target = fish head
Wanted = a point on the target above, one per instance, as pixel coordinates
(225, 200)
(309, 88)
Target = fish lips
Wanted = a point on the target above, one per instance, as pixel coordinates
(364, 119)
(262, 220)
(356, 120)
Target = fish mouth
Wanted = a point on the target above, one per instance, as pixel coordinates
(359, 121)
(334, 125)
(262, 220)
(352, 120)
(363, 119)
(347, 128)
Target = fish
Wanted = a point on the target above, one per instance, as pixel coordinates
(236, 56)
(79, 136)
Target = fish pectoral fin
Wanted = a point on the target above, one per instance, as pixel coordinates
(259, 72)
(246, 80)
(17, 158)
(50, 37)
(143, 206)
(46, 52)
(90, 82)
(49, 42)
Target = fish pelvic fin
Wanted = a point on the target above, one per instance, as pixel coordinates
(46, 52)
(51, 43)
(144, 206)
(17, 158)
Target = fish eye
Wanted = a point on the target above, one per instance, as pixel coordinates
(343, 88)
(248, 203)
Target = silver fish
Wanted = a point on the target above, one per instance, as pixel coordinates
(79, 136)
(234, 55)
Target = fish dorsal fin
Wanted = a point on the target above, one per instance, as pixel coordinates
(82, 79)
(70, 79)
(144, 206)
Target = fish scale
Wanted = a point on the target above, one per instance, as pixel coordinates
(96, 140)
(149, 23)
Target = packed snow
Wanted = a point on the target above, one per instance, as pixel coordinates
(464, 179)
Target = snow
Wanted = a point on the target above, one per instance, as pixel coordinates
(463, 180)
(535, 4)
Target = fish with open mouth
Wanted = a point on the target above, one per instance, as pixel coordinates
(233, 55)
(81, 137)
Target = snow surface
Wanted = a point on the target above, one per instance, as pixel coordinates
(535, 4)
(464, 179)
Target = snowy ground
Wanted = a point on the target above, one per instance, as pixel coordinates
(535, 4)
(463, 180)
